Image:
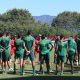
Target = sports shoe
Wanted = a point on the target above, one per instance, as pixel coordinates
(10, 69)
(61, 73)
(42, 72)
(72, 72)
(56, 73)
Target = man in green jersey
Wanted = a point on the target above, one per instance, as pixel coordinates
(0, 49)
(44, 47)
(78, 46)
(72, 50)
(5, 45)
(61, 50)
(19, 53)
(29, 49)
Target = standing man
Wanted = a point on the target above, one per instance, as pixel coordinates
(29, 50)
(78, 47)
(45, 52)
(72, 50)
(5, 44)
(61, 50)
(19, 53)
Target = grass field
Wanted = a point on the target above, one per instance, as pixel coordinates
(28, 70)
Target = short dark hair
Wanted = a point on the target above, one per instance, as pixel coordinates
(29, 32)
(61, 36)
(19, 35)
(0, 34)
(43, 36)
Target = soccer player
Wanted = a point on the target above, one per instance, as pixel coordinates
(72, 49)
(19, 53)
(29, 50)
(45, 52)
(57, 40)
(61, 50)
(5, 44)
(0, 50)
(78, 46)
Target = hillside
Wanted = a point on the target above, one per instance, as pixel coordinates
(44, 19)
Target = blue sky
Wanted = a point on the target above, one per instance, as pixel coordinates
(41, 7)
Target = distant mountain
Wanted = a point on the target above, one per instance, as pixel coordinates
(44, 19)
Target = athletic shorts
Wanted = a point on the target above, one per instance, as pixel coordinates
(6, 55)
(71, 57)
(30, 56)
(61, 59)
(45, 56)
(19, 54)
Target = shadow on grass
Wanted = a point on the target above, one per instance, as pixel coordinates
(45, 78)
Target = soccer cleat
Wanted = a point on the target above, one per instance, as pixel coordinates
(42, 72)
(4, 72)
(14, 72)
(34, 72)
(61, 73)
(77, 62)
(56, 73)
(10, 69)
(72, 72)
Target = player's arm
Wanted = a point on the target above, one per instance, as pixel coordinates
(33, 46)
(51, 47)
(25, 47)
(56, 49)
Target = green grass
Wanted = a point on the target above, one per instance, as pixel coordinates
(28, 69)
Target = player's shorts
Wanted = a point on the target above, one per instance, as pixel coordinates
(78, 49)
(0, 54)
(19, 54)
(45, 57)
(71, 57)
(30, 56)
(61, 59)
(6, 55)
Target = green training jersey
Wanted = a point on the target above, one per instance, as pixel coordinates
(72, 46)
(62, 48)
(19, 46)
(44, 46)
(0, 43)
(29, 40)
(5, 42)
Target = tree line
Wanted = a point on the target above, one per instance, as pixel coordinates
(20, 21)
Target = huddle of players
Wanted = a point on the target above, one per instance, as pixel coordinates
(25, 48)
(65, 50)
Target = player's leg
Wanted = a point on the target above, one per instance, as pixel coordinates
(15, 62)
(25, 57)
(33, 61)
(62, 63)
(71, 59)
(57, 64)
(42, 63)
(47, 59)
(21, 64)
(1, 59)
(4, 63)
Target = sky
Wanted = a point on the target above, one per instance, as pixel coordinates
(41, 7)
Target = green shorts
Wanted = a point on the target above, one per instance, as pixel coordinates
(0, 55)
(30, 56)
(6, 55)
(19, 54)
(45, 56)
(71, 57)
(61, 58)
